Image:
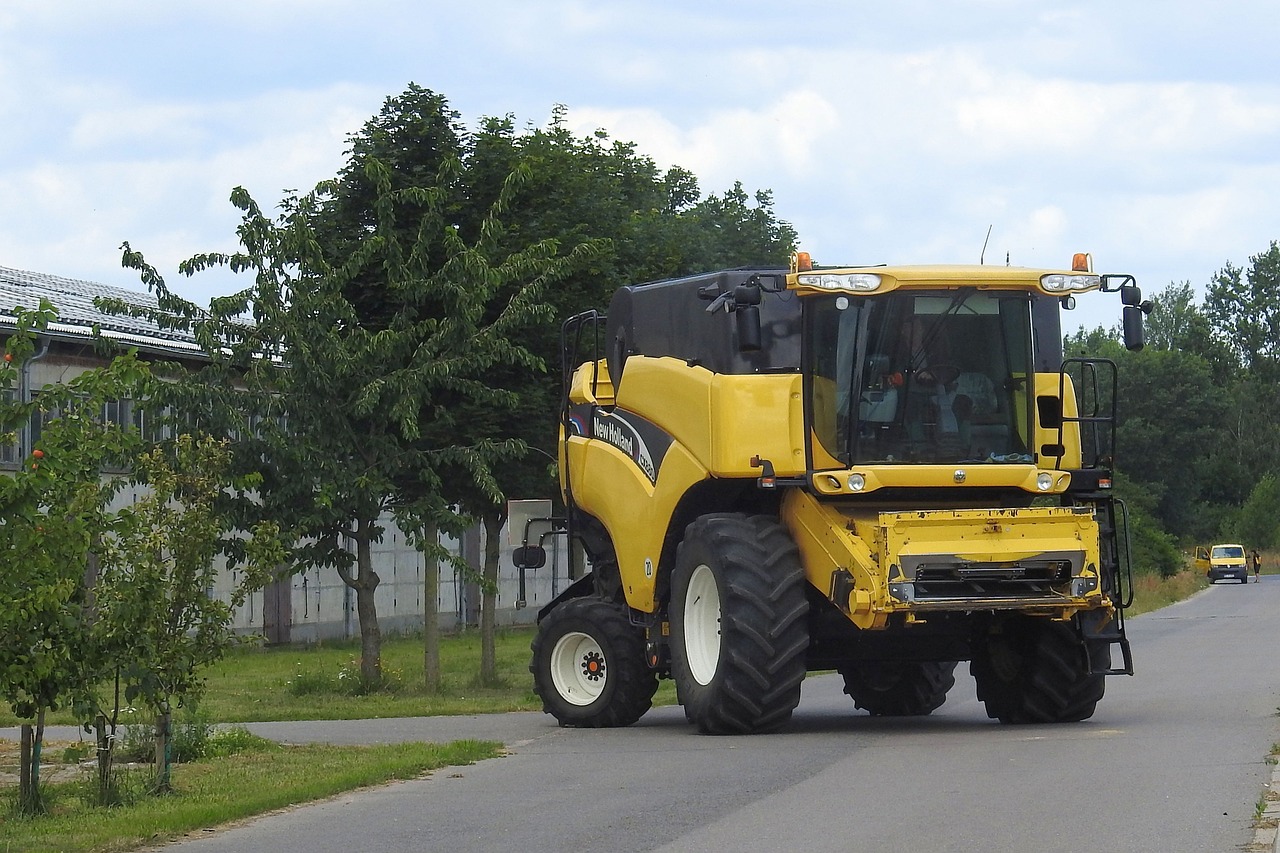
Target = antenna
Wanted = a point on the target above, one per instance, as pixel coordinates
(983, 254)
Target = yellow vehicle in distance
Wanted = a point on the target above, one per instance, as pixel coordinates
(1222, 562)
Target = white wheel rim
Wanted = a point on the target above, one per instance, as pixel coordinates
(702, 625)
(578, 668)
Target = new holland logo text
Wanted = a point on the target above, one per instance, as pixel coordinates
(612, 433)
(623, 436)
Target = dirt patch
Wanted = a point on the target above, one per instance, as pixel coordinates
(53, 764)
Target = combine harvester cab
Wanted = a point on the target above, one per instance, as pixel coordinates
(878, 470)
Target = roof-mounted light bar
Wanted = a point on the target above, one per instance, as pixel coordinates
(1063, 283)
(860, 282)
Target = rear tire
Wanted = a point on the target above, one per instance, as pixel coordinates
(1037, 671)
(589, 665)
(900, 688)
(738, 624)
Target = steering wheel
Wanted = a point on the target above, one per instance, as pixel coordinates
(936, 374)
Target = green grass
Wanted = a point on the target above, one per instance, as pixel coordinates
(1151, 592)
(256, 684)
(302, 682)
(212, 792)
(315, 682)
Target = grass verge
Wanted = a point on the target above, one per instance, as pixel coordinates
(217, 791)
(1151, 592)
(255, 684)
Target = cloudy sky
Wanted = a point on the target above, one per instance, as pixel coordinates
(1145, 133)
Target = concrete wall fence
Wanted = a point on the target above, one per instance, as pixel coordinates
(313, 605)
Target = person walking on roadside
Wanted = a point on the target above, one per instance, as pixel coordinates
(1257, 565)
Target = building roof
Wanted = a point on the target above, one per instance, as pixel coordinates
(78, 316)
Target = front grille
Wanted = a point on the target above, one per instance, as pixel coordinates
(991, 580)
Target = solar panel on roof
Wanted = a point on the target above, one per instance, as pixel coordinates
(77, 314)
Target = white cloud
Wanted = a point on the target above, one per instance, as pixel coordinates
(891, 132)
(785, 136)
(160, 175)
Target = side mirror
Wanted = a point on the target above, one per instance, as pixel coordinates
(529, 557)
(1133, 337)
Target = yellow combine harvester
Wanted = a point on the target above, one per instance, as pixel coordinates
(877, 470)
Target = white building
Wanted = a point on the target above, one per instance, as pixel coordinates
(302, 606)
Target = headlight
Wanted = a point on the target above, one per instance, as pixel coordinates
(1044, 481)
(1062, 283)
(857, 482)
(858, 282)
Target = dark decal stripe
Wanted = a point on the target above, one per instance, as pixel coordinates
(642, 441)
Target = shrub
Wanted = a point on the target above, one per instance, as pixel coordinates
(346, 681)
(234, 740)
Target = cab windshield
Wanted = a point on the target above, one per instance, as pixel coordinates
(1228, 551)
(919, 377)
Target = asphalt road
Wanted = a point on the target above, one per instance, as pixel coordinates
(1173, 760)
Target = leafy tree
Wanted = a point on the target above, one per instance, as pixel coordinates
(1244, 306)
(1154, 550)
(1258, 523)
(424, 247)
(640, 224)
(626, 219)
(336, 413)
(1199, 407)
(417, 139)
(1172, 424)
(155, 625)
(1177, 323)
(55, 508)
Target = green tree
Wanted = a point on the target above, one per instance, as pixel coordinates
(1244, 306)
(55, 509)
(1178, 323)
(1198, 407)
(419, 142)
(1172, 422)
(1154, 551)
(1258, 523)
(640, 224)
(155, 625)
(336, 413)
(627, 220)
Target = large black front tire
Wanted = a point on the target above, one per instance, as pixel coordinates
(900, 688)
(738, 624)
(589, 665)
(1038, 671)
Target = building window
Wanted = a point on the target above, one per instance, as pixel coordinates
(10, 433)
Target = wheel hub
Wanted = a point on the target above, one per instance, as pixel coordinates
(593, 666)
(579, 670)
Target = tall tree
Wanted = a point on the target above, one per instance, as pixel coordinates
(332, 390)
(1258, 523)
(55, 507)
(639, 224)
(430, 166)
(1178, 323)
(1244, 306)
